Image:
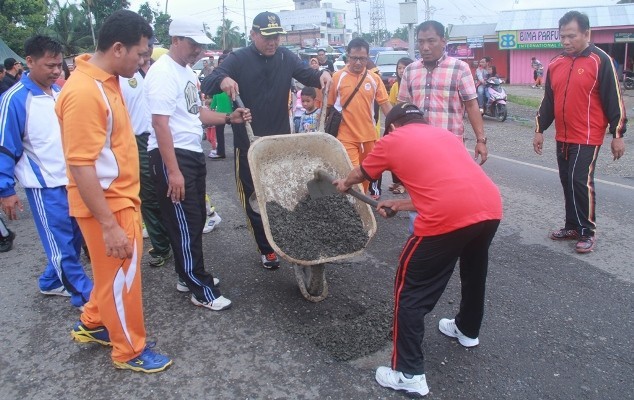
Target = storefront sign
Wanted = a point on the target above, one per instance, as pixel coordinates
(622, 37)
(459, 50)
(475, 42)
(529, 39)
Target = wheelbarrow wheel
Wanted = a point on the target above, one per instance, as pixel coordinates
(312, 281)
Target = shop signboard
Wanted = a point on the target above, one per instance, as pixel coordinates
(475, 42)
(529, 39)
(459, 50)
(623, 37)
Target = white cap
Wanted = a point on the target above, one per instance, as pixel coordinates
(189, 27)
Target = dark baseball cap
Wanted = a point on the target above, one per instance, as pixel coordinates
(10, 62)
(267, 24)
(402, 111)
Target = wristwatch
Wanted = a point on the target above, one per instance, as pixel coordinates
(483, 140)
(227, 118)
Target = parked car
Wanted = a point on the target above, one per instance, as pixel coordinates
(386, 62)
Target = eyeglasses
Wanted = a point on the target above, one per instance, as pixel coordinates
(357, 59)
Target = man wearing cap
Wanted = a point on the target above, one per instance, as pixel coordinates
(12, 69)
(261, 74)
(177, 163)
(446, 229)
(133, 90)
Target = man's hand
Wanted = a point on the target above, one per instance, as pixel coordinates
(176, 186)
(482, 152)
(11, 205)
(325, 79)
(230, 87)
(618, 148)
(117, 243)
(341, 186)
(538, 142)
(240, 116)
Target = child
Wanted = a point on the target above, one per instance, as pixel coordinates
(396, 187)
(310, 118)
(298, 110)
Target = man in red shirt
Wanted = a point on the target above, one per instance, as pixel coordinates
(446, 229)
(583, 96)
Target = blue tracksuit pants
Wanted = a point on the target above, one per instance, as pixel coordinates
(62, 240)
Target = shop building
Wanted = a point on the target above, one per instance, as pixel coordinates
(312, 26)
(471, 43)
(524, 34)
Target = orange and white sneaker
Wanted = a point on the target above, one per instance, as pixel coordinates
(270, 261)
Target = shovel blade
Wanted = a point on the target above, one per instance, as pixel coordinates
(320, 186)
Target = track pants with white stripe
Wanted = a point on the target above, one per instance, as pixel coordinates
(576, 172)
(62, 240)
(185, 220)
(425, 267)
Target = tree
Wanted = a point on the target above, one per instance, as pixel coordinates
(101, 9)
(402, 33)
(70, 27)
(20, 19)
(147, 12)
(161, 29)
(228, 36)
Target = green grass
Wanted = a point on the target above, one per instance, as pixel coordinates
(524, 101)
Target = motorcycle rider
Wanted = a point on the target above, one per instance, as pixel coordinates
(481, 77)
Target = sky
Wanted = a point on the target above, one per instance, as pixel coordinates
(454, 12)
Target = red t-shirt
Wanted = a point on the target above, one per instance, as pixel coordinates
(448, 188)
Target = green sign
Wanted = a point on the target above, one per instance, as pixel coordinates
(622, 37)
(529, 39)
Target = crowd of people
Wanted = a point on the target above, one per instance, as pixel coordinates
(121, 144)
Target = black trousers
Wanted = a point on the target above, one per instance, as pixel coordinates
(244, 184)
(425, 267)
(220, 139)
(576, 172)
(185, 220)
(150, 209)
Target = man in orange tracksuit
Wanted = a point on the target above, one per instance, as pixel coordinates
(103, 190)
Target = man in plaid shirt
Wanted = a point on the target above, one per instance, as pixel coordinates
(442, 87)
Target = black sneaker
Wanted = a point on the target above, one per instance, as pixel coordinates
(6, 243)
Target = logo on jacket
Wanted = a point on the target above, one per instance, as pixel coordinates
(367, 86)
(133, 83)
(580, 71)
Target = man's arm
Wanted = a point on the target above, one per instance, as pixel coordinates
(404, 94)
(545, 115)
(475, 119)
(613, 107)
(211, 117)
(115, 239)
(11, 149)
(175, 181)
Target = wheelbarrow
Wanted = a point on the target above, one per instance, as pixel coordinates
(281, 166)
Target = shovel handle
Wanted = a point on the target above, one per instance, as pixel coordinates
(246, 124)
(368, 200)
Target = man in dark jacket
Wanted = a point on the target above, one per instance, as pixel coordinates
(12, 68)
(261, 74)
(582, 95)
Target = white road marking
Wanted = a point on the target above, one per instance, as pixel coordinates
(557, 171)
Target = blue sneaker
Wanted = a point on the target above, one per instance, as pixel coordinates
(148, 361)
(83, 334)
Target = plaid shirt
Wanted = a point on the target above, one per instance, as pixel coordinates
(440, 92)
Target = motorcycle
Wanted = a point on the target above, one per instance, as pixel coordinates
(628, 80)
(496, 99)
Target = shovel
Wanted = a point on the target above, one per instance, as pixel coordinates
(322, 186)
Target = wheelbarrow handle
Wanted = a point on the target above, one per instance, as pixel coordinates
(250, 134)
(368, 200)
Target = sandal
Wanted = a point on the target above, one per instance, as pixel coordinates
(399, 189)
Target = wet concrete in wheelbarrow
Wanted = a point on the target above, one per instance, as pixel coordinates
(323, 227)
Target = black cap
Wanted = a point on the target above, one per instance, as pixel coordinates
(400, 111)
(10, 62)
(268, 24)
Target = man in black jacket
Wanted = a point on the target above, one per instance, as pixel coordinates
(12, 67)
(261, 74)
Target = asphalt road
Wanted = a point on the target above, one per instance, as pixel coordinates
(558, 325)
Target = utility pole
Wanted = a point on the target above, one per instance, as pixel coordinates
(428, 9)
(246, 34)
(357, 16)
(409, 16)
(166, 3)
(224, 27)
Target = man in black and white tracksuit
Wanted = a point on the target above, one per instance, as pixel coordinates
(177, 162)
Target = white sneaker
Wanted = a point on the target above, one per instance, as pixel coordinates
(221, 303)
(145, 234)
(212, 221)
(60, 291)
(414, 387)
(181, 286)
(449, 328)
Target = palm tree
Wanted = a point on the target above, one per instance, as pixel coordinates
(228, 35)
(69, 26)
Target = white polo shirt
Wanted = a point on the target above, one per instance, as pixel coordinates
(136, 103)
